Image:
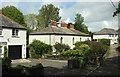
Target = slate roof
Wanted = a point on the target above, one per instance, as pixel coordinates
(7, 22)
(59, 31)
(106, 31)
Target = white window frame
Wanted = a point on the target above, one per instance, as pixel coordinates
(15, 32)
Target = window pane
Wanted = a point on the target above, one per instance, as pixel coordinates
(13, 31)
(16, 32)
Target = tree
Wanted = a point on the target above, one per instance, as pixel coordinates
(117, 10)
(30, 20)
(68, 25)
(49, 12)
(79, 23)
(34, 22)
(40, 22)
(14, 14)
(115, 14)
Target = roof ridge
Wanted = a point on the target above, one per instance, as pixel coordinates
(13, 21)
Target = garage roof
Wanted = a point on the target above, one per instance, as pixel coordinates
(9, 23)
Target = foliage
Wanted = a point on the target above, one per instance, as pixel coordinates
(5, 51)
(14, 14)
(49, 12)
(117, 10)
(97, 48)
(6, 65)
(106, 54)
(61, 47)
(50, 52)
(34, 55)
(68, 25)
(105, 41)
(118, 39)
(39, 47)
(81, 62)
(79, 23)
(81, 52)
(34, 22)
(86, 49)
(78, 43)
(23, 71)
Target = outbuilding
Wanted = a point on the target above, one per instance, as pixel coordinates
(13, 36)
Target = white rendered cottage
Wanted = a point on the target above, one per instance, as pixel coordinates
(53, 34)
(107, 33)
(12, 35)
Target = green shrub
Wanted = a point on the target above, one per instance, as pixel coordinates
(77, 44)
(81, 52)
(105, 41)
(5, 51)
(39, 48)
(24, 71)
(6, 65)
(34, 55)
(61, 47)
(97, 48)
(6, 62)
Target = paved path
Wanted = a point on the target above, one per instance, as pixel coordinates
(111, 66)
(52, 67)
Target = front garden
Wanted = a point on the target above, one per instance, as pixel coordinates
(84, 53)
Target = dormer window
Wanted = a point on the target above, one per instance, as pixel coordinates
(15, 32)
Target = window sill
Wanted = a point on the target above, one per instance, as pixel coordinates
(15, 37)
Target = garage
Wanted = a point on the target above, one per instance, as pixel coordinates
(15, 52)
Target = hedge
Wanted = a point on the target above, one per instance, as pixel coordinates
(105, 41)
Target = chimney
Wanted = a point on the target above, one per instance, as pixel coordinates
(72, 26)
(53, 23)
(63, 24)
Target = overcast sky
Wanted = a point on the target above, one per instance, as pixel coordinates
(97, 15)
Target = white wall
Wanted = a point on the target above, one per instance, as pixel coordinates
(20, 40)
(52, 39)
(43, 38)
(113, 39)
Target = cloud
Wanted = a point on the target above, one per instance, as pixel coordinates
(97, 15)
